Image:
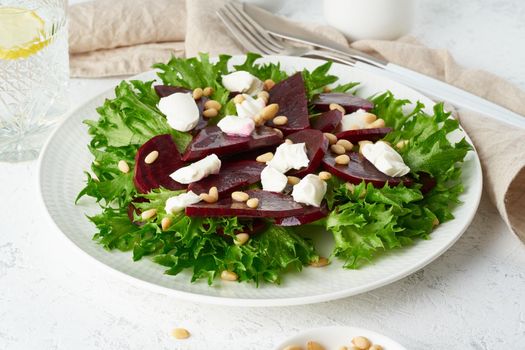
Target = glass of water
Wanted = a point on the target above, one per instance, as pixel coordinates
(34, 72)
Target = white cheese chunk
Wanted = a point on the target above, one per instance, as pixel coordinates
(181, 111)
(289, 156)
(385, 159)
(181, 201)
(236, 126)
(250, 107)
(241, 81)
(310, 190)
(198, 170)
(273, 180)
(354, 120)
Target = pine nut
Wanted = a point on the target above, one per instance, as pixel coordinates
(435, 222)
(212, 104)
(264, 95)
(270, 111)
(208, 91)
(361, 343)
(293, 347)
(343, 159)
(337, 106)
(346, 144)
(241, 238)
(208, 198)
(369, 118)
(180, 333)
(266, 157)
(280, 120)
(165, 223)
(379, 123)
(325, 175)
(148, 214)
(268, 84)
(327, 89)
(214, 192)
(229, 275)
(312, 345)
(238, 99)
(151, 157)
(337, 149)
(322, 261)
(259, 120)
(252, 203)
(123, 166)
(350, 187)
(288, 141)
(376, 347)
(240, 196)
(332, 139)
(362, 144)
(210, 113)
(401, 144)
(197, 93)
(293, 180)
(278, 132)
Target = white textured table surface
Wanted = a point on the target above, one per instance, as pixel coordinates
(472, 297)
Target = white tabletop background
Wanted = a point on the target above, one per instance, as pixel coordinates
(472, 297)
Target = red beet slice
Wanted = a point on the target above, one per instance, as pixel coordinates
(212, 140)
(316, 146)
(271, 205)
(349, 102)
(355, 136)
(232, 176)
(290, 95)
(361, 169)
(309, 214)
(157, 174)
(428, 182)
(166, 90)
(328, 121)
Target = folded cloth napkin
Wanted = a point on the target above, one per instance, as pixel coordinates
(127, 36)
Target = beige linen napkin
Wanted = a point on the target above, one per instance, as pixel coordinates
(500, 147)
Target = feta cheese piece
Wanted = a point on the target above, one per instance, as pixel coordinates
(310, 190)
(181, 111)
(241, 81)
(289, 156)
(198, 170)
(385, 159)
(236, 126)
(273, 180)
(181, 201)
(356, 120)
(250, 107)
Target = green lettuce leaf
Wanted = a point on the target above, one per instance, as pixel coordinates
(316, 80)
(262, 71)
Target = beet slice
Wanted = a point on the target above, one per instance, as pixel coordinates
(355, 136)
(166, 90)
(316, 146)
(290, 95)
(157, 174)
(309, 214)
(349, 102)
(360, 169)
(232, 176)
(271, 205)
(212, 140)
(428, 182)
(328, 121)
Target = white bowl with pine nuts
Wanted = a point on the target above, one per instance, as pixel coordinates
(61, 177)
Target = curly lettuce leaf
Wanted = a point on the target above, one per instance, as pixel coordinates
(316, 80)
(262, 71)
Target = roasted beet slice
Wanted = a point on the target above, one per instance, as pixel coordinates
(166, 90)
(349, 102)
(328, 121)
(232, 176)
(157, 174)
(290, 95)
(212, 140)
(428, 182)
(316, 146)
(361, 169)
(271, 205)
(310, 214)
(355, 136)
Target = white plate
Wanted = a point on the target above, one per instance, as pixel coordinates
(333, 338)
(61, 177)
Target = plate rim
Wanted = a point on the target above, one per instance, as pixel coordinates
(247, 302)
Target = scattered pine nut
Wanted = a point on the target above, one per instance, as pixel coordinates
(197, 93)
(264, 95)
(288, 141)
(361, 343)
(312, 345)
(293, 180)
(375, 347)
(337, 149)
(268, 84)
(240, 196)
(241, 238)
(252, 203)
(208, 91)
(270, 111)
(259, 120)
(325, 175)
(327, 89)
(214, 192)
(435, 222)
(229, 275)
(123, 166)
(238, 99)
(332, 139)
(151, 157)
(401, 144)
(148, 214)
(210, 113)
(209, 198)
(279, 132)
(350, 187)
(346, 144)
(180, 333)
(369, 118)
(212, 104)
(293, 347)
(322, 261)
(280, 120)
(342, 159)
(165, 223)
(340, 108)
(266, 157)
(379, 123)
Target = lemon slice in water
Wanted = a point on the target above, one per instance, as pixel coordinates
(21, 33)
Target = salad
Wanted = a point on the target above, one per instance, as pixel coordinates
(220, 170)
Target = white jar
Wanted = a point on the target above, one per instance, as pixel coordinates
(370, 19)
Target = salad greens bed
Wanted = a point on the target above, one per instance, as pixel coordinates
(365, 221)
